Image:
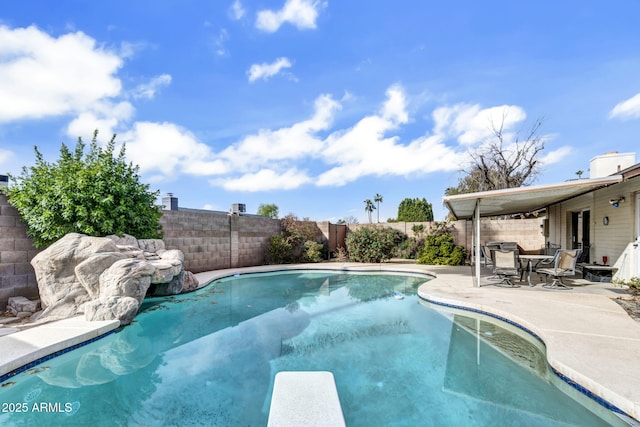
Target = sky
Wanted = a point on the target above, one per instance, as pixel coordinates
(317, 105)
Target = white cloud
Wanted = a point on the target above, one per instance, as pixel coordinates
(148, 90)
(471, 124)
(629, 109)
(300, 13)
(269, 159)
(265, 180)
(265, 71)
(291, 143)
(105, 116)
(237, 11)
(43, 76)
(556, 156)
(175, 150)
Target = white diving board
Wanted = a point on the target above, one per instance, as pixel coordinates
(307, 399)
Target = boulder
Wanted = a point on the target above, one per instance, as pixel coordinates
(55, 267)
(190, 282)
(172, 254)
(125, 240)
(151, 245)
(88, 271)
(21, 304)
(122, 308)
(127, 277)
(78, 273)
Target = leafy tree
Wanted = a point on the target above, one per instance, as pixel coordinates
(95, 194)
(504, 161)
(415, 210)
(369, 207)
(378, 200)
(269, 210)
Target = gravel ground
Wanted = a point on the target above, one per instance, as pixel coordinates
(631, 304)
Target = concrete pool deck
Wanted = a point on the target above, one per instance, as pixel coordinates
(590, 339)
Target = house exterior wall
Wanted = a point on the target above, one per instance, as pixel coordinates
(606, 240)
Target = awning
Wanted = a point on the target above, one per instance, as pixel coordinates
(522, 199)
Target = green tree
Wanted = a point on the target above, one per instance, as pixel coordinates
(95, 194)
(415, 210)
(369, 207)
(378, 200)
(269, 210)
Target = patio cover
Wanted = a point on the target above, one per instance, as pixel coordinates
(518, 200)
(522, 199)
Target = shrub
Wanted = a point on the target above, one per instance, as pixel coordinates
(372, 244)
(409, 249)
(312, 251)
(440, 249)
(296, 243)
(97, 194)
(279, 250)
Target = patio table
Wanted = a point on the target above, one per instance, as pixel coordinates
(530, 263)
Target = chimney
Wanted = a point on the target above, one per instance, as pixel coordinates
(170, 203)
(238, 208)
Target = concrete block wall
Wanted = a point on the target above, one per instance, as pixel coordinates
(528, 233)
(215, 240)
(17, 277)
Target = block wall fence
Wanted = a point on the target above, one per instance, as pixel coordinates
(216, 240)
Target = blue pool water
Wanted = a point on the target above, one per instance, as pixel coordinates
(210, 358)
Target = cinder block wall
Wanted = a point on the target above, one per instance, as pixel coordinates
(528, 233)
(17, 277)
(215, 240)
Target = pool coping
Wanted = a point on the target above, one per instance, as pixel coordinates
(579, 331)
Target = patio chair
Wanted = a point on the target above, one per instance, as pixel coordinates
(486, 257)
(506, 264)
(564, 265)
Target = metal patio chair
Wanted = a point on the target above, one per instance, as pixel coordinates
(564, 266)
(505, 265)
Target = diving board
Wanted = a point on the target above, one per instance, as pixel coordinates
(305, 398)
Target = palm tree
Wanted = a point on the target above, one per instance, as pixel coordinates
(369, 207)
(378, 200)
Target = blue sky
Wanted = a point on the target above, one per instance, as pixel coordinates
(317, 105)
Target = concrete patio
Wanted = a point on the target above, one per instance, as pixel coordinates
(590, 339)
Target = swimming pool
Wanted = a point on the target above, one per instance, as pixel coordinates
(210, 357)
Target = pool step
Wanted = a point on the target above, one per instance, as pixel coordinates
(305, 398)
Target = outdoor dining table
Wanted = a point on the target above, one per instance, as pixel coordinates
(530, 263)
